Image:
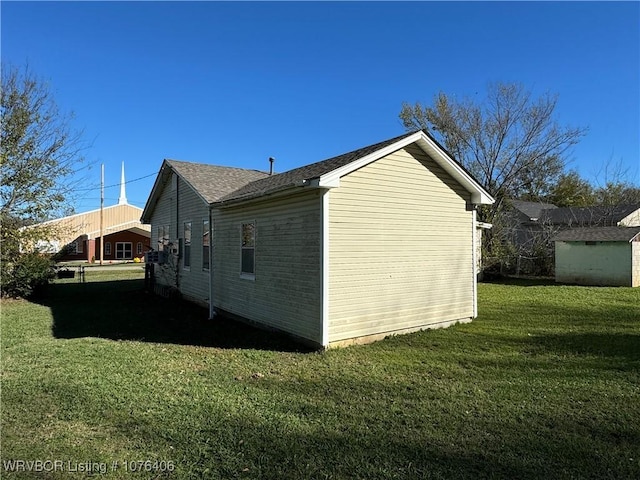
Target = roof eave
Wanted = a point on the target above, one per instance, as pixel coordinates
(152, 200)
(284, 190)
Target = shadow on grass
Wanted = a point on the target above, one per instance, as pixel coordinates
(121, 310)
(520, 281)
(624, 346)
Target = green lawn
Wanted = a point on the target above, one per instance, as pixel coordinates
(544, 384)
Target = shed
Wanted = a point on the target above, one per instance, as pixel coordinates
(378, 241)
(598, 256)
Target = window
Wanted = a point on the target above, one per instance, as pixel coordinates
(139, 248)
(247, 267)
(107, 248)
(163, 237)
(73, 247)
(187, 244)
(590, 243)
(124, 250)
(205, 244)
(79, 246)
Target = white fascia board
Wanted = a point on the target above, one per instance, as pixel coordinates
(479, 195)
(332, 179)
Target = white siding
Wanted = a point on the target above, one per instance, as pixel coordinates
(631, 220)
(635, 263)
(193, 281)
(400, 248)
(285, 293)
(176, 194)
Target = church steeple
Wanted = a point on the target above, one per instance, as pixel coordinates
(123, 196)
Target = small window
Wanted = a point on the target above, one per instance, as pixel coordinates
(205, 244)
(107, 248)
(187, 245)
(79, 246)
(590, 243)
(248, 261)
(139, 248)
(124, 251)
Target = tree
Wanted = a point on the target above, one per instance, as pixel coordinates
(39, 152)
(571, 190)
(617, 193)
(510, 142)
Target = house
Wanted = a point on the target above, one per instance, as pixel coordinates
(599, 256)
(374, 242)
(531, 226)
(77, 237)
(525, 229)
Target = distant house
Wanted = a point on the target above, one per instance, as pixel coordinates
(598, 256)
(526, 225)
(534, 215)
(77, 237)
(532, 225)
(378, 241)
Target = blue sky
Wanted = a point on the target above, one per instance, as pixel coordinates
(233, 83)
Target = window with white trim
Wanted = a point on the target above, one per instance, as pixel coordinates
(139, 248)
(107, 248)
(187, 245)
(205, 244)
(248, 253)
(124, 250)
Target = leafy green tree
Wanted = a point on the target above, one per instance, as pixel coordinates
(509, 141)
(571, 190)
(617, 193)
(39, 153)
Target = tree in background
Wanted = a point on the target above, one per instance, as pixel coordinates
(571, 190)
(39, 152)
(617, 193)
(510, 141)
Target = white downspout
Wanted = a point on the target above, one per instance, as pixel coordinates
(474, 256)
(324, 265)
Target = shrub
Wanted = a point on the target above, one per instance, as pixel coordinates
(27, 276)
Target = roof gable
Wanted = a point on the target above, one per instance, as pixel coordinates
(213, 182)
(532, 210)
(210, 182)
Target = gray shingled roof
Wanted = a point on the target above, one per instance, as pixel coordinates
(291, 178)
(213, 182)
(598, 234)
(588, 216)
(532, 209)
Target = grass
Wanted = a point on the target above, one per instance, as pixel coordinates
(544, 384)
